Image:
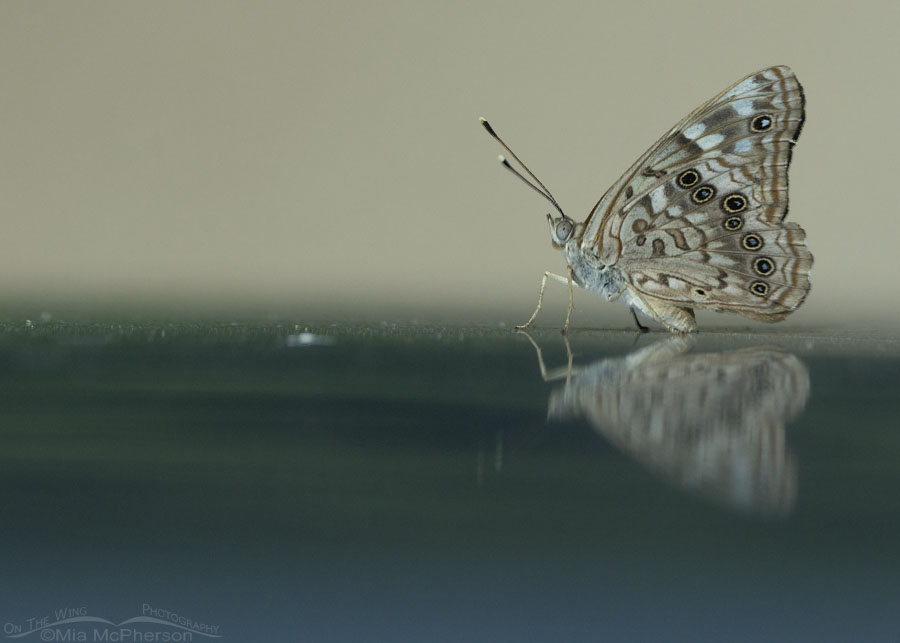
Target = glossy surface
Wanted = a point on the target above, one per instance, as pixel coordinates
(404, 483)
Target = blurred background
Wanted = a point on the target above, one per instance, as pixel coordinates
(321, 159)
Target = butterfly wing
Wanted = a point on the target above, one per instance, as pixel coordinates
(698, 220)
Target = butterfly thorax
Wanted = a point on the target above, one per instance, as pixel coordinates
(591, 273)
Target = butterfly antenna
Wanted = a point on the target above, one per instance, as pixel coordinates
(529, 183)
(542, 190)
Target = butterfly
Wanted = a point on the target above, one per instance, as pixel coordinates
(698, 220)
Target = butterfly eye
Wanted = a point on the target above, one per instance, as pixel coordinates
(752, 242)
(764, 266)
(734, 203)
(688, 179)
(760, 288)
(564, 230)
(703, 194)
(761, 123)
(733, 223)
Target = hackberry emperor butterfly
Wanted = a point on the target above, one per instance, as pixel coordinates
(698, 220)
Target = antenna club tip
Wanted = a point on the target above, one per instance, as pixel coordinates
(487, 126)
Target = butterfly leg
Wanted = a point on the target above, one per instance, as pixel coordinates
(555, 277)
(640, 326)
(565, 328)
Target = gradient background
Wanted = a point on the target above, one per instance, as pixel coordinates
(325, 159)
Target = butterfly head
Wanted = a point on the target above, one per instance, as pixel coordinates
(562, 230)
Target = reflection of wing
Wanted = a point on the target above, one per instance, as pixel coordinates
(711, 423)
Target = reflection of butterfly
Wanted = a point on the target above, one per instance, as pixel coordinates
(712, 424)
(697, 221)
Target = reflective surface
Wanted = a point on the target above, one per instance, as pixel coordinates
(419, 483)
(711, 423)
